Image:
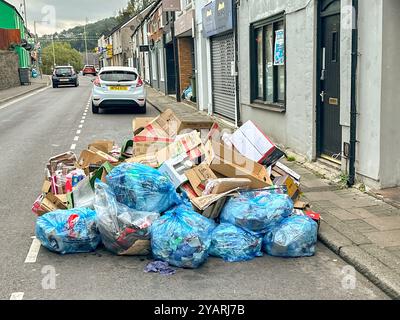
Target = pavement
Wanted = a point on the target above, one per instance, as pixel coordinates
(361, 229)
(16, 92)
(57, 120)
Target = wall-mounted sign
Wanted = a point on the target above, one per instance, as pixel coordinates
(109, 51)
(217, 17)
(171, 5)
(144, 48)
(279, 52)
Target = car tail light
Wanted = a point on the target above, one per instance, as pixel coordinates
(96, 82)
(139, 82)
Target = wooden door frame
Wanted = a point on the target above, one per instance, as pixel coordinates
(321, 16)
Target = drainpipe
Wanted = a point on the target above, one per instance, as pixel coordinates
(235, 14)
(353, 107)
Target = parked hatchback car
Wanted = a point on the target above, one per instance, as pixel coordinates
(89, 69)
(64, 75)
(117, 87)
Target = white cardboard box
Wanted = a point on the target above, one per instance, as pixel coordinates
(251, 142)
(175, 170)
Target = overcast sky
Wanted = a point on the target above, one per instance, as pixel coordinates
(67, 13)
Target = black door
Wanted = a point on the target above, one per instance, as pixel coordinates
(169, 48)
(330, 131)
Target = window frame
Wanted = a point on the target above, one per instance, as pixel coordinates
(278, 105)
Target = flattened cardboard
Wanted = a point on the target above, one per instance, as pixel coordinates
(229, 184)
(147, 159)
(144, 145)
(138, 124)
(292, 188)
(288, 171)
(94, 156)
(231, 164)
(105, 146)
(198, 177)
(139, 248)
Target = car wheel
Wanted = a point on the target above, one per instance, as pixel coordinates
(143, 109)
(76, 84)
(55, 86)
(95, 109)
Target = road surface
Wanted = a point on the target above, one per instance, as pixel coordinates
(54, 121)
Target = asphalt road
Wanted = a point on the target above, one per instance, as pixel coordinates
(46, 124)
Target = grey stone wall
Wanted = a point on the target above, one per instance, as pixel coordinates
(9, 76)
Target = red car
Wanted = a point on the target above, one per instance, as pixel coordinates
(89, 69)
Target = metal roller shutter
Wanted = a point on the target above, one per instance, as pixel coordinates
(223, 83)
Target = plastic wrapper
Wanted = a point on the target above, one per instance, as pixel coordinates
(124, 231)
(294, 237)
(83, 194)
(257, 211)
(233, 244)
(68, 231)
(182, 238)
(142, 188)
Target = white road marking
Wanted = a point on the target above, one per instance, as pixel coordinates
(82, 121)
(83, 118)
(73, 147)
(78, 132)
(17, 296)
(33, 251)
(22, 98)
(76, 138)
(80, 126)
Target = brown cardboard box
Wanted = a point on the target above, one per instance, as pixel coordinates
(147, 159)
(94, 156)
(105, 146)
(227, 184)
(138, 124)
(145, 145)
(211, 206)
(198, 177)
(67, 159)
(231, 164)
(189, 144)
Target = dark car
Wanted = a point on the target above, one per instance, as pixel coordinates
(89, 69)
(65, 75)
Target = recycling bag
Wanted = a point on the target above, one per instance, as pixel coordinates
(68, 231)
(124, 231)
(182, 238)
(294, 237)
(256, 212)
(142, 188)
(234, 244)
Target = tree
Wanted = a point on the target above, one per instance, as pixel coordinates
(65, 55)
(134, 7)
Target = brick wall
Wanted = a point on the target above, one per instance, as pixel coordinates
(185, 62)
(9, 76)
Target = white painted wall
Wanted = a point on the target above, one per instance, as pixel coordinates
(295, 128)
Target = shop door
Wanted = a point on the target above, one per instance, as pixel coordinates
(330, 131)
(223, 83)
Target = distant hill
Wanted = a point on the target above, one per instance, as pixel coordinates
(75, 37)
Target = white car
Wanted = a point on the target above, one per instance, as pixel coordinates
(117, 87)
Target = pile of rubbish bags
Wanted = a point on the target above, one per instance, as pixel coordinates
(181, 191)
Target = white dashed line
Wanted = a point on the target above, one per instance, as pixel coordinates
(78, 132)
(83, 118)
(82, 121)
(33, 251)
(17, 296)
(80, 126)
(76, 138)
(73, 147)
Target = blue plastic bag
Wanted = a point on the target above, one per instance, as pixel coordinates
(142, 188)
(294, 237)
(68, 231)
(257, 211)
(124, 231)
(182, 238)
(233, 244)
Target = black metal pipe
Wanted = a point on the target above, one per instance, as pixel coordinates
(235, 6)
(353, 107)
(176, 58)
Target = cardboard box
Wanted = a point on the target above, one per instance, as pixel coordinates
(175, 170)
(138, 124)
(227, 184)
(231, 164)
(292, 188)
(94, 156)
(147, 159)
(67, 159)
(287, 171)
(211, 206)
(189, 145)
(252, 143)
(105, 146)
(198, 177)
(144, 145)
(301, 205)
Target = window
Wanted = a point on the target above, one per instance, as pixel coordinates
(268, 79)
(161, 58)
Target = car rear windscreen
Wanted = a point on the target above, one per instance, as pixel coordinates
(63, 71)
(118, 76)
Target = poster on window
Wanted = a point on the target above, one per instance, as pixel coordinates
(279, 51)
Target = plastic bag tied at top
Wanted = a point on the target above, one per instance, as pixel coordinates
(68, 231)
(234, 244)
(257, 211)
(142, 188)
(120, 226)
(294, 237)
(182, 238)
